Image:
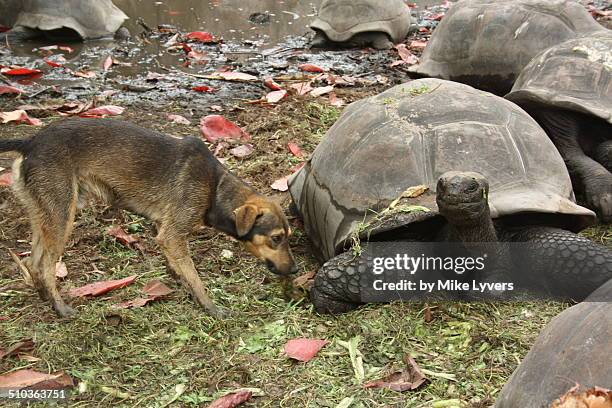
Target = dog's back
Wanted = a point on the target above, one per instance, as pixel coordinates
(122, 163)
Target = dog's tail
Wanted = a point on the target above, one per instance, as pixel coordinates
(13, 145)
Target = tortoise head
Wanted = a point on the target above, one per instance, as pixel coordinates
(462, 197)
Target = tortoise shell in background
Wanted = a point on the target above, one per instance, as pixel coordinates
(486, 43)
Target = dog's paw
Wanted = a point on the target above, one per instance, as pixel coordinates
(65, 311)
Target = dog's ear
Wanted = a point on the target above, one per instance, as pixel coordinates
(245, 218)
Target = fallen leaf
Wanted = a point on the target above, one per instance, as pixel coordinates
(322, 90)
(84, 74)
(60, 270)
(154, 76)
(406, 57)
(595, 397)
(197, 55)
(427, 314)
(102, 287)
(118, 233)
(242, 150)
(102, 111)
(203, 88)
(418, 44)
(281, 184)
(303, 349)
(310, 68)
(178, 119)
(7, 89)
(275, 96)
(305, 280)
(409, 379)
(335, 101)
(302, 88)
(19, 116)
(201, 36)
(234, 76)
(414, 191)
(57, 62)
(35, 380)
(232, 400)
(271, 84)
(18, 71)
(21, 346)
(108, 62)
(295, 149)
(215, 128)
(355, 356)
(155, 288)
(66, 48)
(6, 178)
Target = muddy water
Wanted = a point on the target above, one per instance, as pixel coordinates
(229, 19)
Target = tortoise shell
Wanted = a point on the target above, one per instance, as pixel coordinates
(90, 19)
(411, 134)
(487, 43)
(342, 19)
(574, 75)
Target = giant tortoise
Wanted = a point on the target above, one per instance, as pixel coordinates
(493, 176)
(574, 348)
(486, 43)
(66, 19)
(377, 23)
(568, 90)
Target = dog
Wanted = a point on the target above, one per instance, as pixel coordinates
(175, 182)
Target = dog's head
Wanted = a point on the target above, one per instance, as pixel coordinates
(263, 227)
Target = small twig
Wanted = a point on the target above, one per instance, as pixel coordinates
(24, 270)
(39, 92)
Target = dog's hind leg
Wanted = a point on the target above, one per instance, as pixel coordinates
(175, 247)
(51, 207)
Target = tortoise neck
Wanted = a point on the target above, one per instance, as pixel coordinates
(481, 229)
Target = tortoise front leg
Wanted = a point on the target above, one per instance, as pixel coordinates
(603, 154)
(589, 178)
(565, 264)
(336, 286)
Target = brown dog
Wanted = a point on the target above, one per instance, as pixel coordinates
(177, 183)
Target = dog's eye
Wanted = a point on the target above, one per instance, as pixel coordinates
(276, 239)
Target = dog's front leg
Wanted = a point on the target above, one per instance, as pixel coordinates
(176, 251)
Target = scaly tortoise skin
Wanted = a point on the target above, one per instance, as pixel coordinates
(419, 133)
(568, 90)
(377, 23)
(486, 43)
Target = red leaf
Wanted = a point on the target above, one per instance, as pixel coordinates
(121, 235)
(235, 76)
(322, 90)
(310, 68)
(20, 71)
(242, 150)
(102, 287)
(302, 88)
(215, 128)
(270, 83)
(60, 270)
(84, 74)
(35, 380)
(108, 62)
(232, 400)
(334, 100)
(6, 89)
(418, 44)
(197, 55)
(6, 178)
(203, 88)
(201, 36)
(66, 48)
(19, 116)
(295, 149)
(303, 349)
(179, 119)
(281, 184)
(57, 63)
(4, 28)
(107, 110)
(155, 288)
(405, 55)
(275, 96)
